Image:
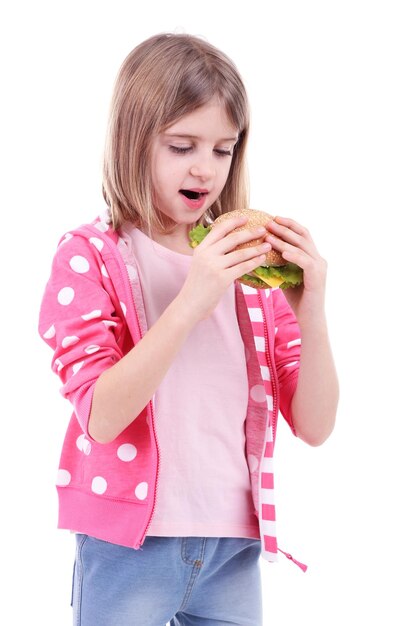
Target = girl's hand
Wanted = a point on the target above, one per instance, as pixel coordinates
(216, 264)
(297, 246)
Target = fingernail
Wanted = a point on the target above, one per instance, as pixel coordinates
(266, 246)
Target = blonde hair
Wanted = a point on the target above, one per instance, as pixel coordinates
(162, 79)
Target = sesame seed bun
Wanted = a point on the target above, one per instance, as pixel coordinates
(255, 219)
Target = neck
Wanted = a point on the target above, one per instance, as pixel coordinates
(176, 240)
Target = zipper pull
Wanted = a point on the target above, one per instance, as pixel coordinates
(291, 558)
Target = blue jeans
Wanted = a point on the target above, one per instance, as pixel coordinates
(185, 581)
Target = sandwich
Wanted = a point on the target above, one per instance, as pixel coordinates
(275, 271)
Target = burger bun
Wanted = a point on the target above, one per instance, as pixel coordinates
(255, 219)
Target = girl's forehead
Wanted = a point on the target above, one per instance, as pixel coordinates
(209, 117)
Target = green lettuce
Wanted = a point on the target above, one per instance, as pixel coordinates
(290, 272)
(197, 234)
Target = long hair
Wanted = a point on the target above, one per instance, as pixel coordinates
(161, 80)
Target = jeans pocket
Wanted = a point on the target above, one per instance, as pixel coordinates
(73, 583)
(77, 579)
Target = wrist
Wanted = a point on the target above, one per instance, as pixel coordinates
(184, 311)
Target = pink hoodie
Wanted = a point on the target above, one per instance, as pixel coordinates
(92, 313)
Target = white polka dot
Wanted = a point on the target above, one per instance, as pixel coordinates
(101, 226)
(91, 349)
(141, 491)
(58, 364)
(133, 275)
(109, 323)
(98, 243)
(76, 368)
(276, 329)
(70, 341)
(79, 264)
(295, 342)
(49, 333)
(122, 304)
(83, 444)
(104, 271)
(63, 478)
(253, 462)
(267, 292)
(86, 447)
(92, 315)
(98, 485)
(66, 295)
(257, 393)
(66, 238)
(127, 452)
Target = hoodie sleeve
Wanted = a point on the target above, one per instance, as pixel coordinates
(81, 320)
(287, 352)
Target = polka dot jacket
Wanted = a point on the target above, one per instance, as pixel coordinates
(92, 313)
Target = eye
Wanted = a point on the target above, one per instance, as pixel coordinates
(180, 149)
(223, 153)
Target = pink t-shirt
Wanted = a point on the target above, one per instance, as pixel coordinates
(200, 410)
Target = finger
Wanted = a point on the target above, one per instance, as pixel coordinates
(292, 225)
(242, 255)
(219, 231)
(246, 267)
(253, 236)
(236, 237)
(293, 253)
(282, 234)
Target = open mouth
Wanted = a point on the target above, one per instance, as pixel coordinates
(192, 195)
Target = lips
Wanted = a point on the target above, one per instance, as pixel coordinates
(194, 198)
(194, 194)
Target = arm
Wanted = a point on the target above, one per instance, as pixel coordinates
(315, 399)
(119, 397)
(123, 391)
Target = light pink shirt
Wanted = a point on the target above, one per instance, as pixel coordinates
(200, 408)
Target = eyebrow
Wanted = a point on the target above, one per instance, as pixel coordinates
(188, 136)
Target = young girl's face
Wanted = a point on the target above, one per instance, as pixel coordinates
(190, 163)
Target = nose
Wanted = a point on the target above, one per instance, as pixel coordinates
(203, 169)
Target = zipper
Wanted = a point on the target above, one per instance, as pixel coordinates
(271, 369)
(158, 459)
(289, 556)
(118, 258)
(128, 286)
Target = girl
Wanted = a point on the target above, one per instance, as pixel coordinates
(176, 372)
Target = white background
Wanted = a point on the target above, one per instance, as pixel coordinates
(332, 86)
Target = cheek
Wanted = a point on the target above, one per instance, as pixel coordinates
(171, 171)
(163, 176)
